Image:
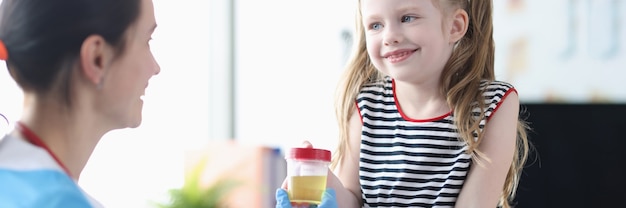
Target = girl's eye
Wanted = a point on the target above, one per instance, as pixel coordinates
(376, 26)
(408, 18)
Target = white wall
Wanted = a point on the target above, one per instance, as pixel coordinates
(288, 65)
(562, 50)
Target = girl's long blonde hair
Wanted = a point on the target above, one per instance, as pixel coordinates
(471, 61)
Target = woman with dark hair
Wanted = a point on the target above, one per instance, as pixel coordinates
(83, 66)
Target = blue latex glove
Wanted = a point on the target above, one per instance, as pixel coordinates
(328, 199)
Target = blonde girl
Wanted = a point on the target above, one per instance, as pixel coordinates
(423, 122)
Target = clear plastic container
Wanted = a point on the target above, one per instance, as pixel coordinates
(307, 169)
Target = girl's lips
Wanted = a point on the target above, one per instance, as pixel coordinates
(399, 55)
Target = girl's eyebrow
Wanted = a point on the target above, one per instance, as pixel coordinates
(408, 8)
(400, 10)
(370, 18)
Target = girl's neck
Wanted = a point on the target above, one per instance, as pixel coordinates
(421, 101)
(70, 135)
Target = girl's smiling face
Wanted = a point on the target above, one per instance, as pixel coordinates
(408, 40)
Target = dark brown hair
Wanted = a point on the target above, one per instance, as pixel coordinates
(43, 37)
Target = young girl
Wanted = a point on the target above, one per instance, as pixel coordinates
(83, 67)
(423, 121)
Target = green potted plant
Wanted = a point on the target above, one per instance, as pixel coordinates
(193, 195)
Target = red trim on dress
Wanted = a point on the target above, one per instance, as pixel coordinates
(509, 91)
(407, 118)
(356, 104)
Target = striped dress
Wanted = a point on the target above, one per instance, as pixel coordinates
(413, 163)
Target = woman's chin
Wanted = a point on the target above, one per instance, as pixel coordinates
(131, 122)
(135, 123)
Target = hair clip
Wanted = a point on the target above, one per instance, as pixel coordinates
(4, 54)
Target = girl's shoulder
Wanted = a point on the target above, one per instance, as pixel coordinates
(495, 85)
(495, 90)
(379, 83)
(377, 87)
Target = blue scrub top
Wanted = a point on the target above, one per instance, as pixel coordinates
(31, 178)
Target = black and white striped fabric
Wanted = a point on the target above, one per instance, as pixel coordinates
(413, 163)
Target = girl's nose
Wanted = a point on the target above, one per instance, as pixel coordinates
(392, 35)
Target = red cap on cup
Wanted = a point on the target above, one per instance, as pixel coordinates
(309, 154)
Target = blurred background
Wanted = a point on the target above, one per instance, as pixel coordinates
(258, 77)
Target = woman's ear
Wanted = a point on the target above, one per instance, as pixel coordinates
(95, 54)
(460, 23)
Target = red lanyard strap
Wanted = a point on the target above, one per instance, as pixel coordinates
(31, 137)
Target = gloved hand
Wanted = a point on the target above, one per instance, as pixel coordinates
(328, 199)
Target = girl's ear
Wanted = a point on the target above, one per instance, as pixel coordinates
(460, 23)
(95, 54)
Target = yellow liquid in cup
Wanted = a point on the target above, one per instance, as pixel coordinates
(306, 189)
